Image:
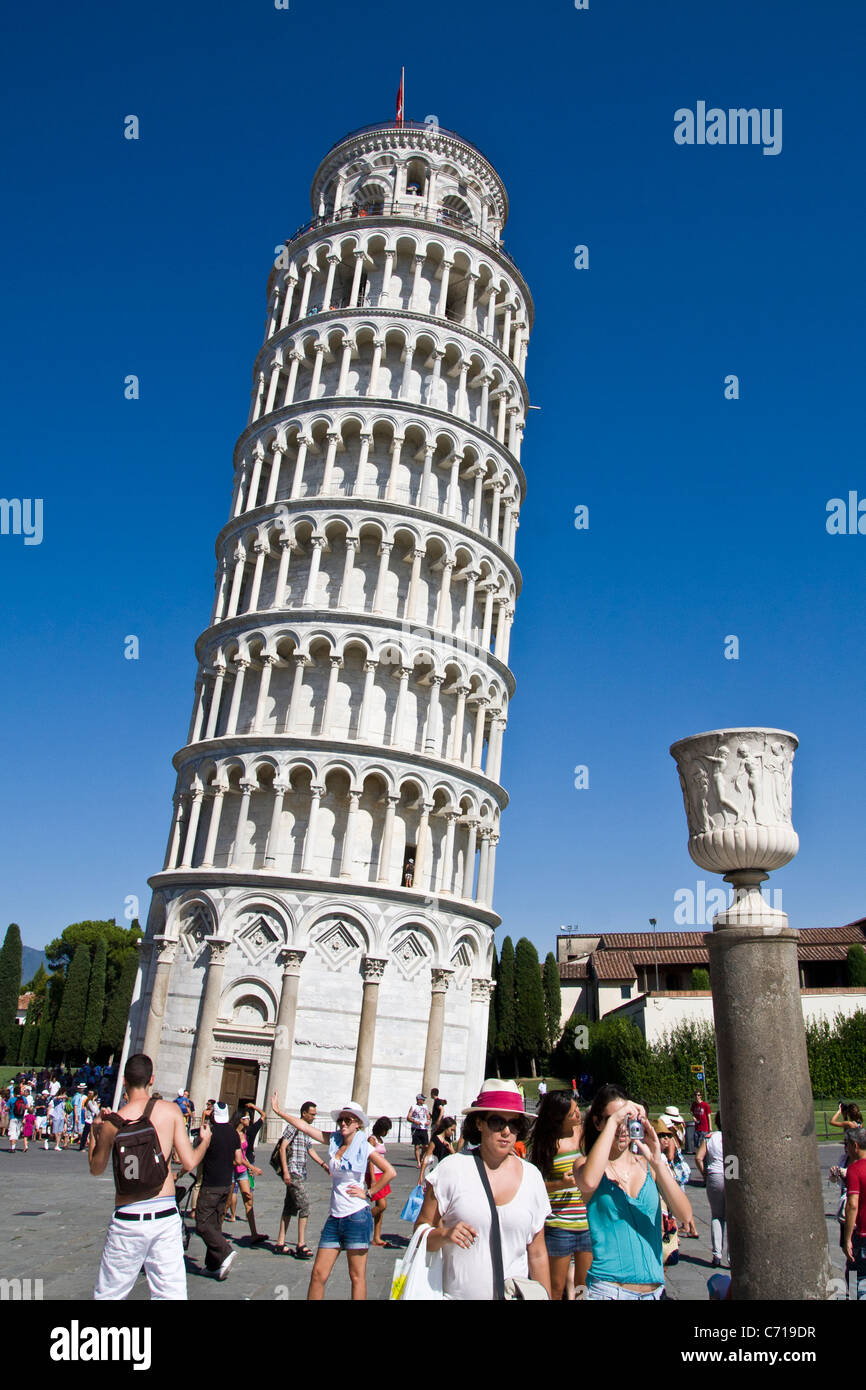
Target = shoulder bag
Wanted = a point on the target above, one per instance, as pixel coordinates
(523, 1290)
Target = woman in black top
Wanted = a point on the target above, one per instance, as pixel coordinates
(441, 1145)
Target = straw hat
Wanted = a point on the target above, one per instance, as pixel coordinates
(353, 1108)
(503, 1096)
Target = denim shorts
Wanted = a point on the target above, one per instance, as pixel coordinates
(561, 1242)
(347, 1232)
(603, 1289)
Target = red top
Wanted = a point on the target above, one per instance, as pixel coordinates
(702, 1111)
(856, 1182)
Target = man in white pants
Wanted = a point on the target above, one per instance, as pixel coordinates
(148, 1232)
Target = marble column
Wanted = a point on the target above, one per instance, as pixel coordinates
(435, 1029)
(476, 1047)
(272, 851)
(158, 997)
(469, 865)
(216, 811)
(316, 794)
(199, 1080)
(284, 1034)
(349, 837)
(373, 968)
(387, 839)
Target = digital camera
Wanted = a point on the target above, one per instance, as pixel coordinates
(635, 1132)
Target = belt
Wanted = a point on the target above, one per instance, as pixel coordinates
(145, 1215)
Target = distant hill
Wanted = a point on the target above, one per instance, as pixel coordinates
(31, 959)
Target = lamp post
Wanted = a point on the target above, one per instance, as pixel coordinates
(653, 923)
(736, 786)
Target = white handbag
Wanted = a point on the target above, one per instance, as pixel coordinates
(418, 1275)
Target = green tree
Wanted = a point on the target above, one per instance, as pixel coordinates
(855, 966)
(69, 1027)
(30, 1032)
(504, 999)
(10, 987)
(118, 940)
(531, 1024)
(39, 984)
(117, 1012)
(46, 1028)
(552, 999)
(92, 1034)
(700, 978)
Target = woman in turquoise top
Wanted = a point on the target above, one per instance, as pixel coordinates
(621, 1189)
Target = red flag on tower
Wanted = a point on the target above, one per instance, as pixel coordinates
(400, 96)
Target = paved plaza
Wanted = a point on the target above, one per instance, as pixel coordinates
(53, 1218)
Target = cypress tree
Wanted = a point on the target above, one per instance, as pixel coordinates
(700, 978)
(30, 1034)
(69, 1028)
(95, 1001)
(10, 988)
(855, 966)
(504, 999)
(552, 999)
(46, 1028)
(531, 1024)
(118, 1005)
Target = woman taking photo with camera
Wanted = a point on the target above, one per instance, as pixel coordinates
(621, 1188)
(456, 1204)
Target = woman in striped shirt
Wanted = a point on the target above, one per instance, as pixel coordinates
(555, 1146)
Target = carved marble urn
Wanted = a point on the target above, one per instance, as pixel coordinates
(736, 786)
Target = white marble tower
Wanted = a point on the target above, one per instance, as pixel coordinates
(324, 923)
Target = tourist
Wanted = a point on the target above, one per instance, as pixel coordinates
(623, 1191)
(184, 1105)
(542, 1090)
(847, 1117)
(216, 1182)
(710, 1162)
(555, 1146)
(419, 1119)
(438, 1108)
(89, 1113)
(294, 1148)
(457, 1207)
(77, 1111)
(17, 1111)
(855, 1210)
(246, 1173)
(702, 1113)
(674, 1120)
(41, 1112)
(441, 1145)
(376, 1139)
(670, 1147)
(349, 1225)
(146, 1228)
(5, 1098)
(28, 1124)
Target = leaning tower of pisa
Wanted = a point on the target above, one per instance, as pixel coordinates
(323, 924)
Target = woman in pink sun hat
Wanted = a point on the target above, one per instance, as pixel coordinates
(456, 1204)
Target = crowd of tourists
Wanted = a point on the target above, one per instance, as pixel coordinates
(54, 1108)
(560, 1204)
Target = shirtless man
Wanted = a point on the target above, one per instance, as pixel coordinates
(147, 1232)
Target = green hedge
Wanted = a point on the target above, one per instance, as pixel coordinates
(617, 1052)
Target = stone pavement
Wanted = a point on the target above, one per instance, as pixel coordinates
(53, 1218)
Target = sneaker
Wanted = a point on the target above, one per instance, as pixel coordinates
(226, 1265)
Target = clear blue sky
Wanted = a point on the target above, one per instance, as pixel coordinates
(707, 516)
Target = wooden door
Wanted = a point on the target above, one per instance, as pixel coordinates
(239, 1082)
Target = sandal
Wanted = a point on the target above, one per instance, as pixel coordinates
(280, 1249)
(303, 1252)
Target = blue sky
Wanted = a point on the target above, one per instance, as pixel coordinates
(707, 516)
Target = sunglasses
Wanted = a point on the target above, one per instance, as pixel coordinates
(348, 1120)
(497, 1123)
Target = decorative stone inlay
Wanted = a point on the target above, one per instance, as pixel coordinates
(409, 953)
(194, 933)
(258, 938)
(461, 962)
(337, 945)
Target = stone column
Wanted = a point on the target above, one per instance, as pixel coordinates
(472, 577)
(483, 865)
(278, 453)
(443, 292)
(287, 545)
(316, 794)
(360, 257)
(240, 559)
(444, 593)
(475, 519)
(333, 674)
(452, 505)
(297, 682)
(272, 391)
(291, 286)
(213, 828)
(366, 440)
(297, 479)
(431, 740)
(469, 311)
(387, 839)
(374, 969)
(280, 789)
(247, 789)
(333, 262)
(364, 712)
(243, 666)
(197, 710)
(284, 1033)
(171, 853)
(412, 596)
(435, 1029)
(459, 717)
(469, 866)
(268, 663)
(352, 548)
(416, 282)
(446, 886)
(295, 359)
(319, 350)
(349, 837)
(424, 490)
(318, 544)
(305, 293)
(192, 828)
(201, 1064)
(158, 997)
(333, 437)
(396, 450)
(261, 548)
(403, 674)
(378, 345)
(422, 844)
(380, 577)
(476, 1047)
(478, 743)
(489, 591)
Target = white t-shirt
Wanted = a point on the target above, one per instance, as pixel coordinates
(342, 1202)
(715, 1160)
(419, 1116)
(460, 1196)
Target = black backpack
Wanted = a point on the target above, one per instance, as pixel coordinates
(19, 1108)
(140, 1167)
